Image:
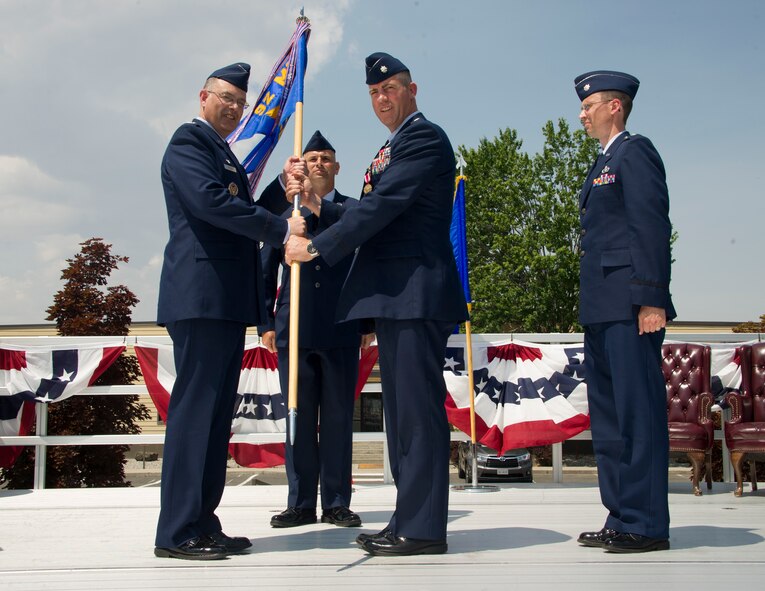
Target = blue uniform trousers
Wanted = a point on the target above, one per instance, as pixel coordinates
(411, 354)
(208, 362)
(326, 390)
(628, 414)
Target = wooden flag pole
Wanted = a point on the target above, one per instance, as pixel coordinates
(471, 389)
(292, 402)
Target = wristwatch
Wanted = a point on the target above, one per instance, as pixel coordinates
(312, 250)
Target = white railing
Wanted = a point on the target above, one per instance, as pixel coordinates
(41, 440)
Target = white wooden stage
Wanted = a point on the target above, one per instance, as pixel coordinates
(522, 537)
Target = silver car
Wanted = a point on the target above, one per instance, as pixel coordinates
(514, 464)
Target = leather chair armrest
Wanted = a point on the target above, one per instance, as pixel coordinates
(706, 400)
(734, 399)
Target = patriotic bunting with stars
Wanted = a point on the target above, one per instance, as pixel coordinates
(525, 394)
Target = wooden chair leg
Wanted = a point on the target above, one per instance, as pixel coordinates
(737, 459)
(697, 460)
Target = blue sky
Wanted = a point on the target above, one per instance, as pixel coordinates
(94, 89)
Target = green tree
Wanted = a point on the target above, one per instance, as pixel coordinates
(523, 230)
(84, 308)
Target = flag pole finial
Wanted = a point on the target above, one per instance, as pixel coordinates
(302, 18)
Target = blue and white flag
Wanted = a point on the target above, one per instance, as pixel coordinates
(275, 105)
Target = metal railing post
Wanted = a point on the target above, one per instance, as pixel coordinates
(387, 474)
(727, 468)
(41, 455)
(557, 463)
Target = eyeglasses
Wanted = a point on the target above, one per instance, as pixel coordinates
(229, 100)
(587, 106)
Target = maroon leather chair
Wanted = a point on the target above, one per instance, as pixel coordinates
(745, 431)
(686, 368)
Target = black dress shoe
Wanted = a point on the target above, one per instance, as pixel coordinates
(200, 548)
(635, 543)
(597, 539)
(391, 545)
(292, 517)
(232, 545)
(341, 516)
(361, 538)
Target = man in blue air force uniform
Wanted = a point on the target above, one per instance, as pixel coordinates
(624, 306)
(405, 279)
(328, 357)
(211, 289)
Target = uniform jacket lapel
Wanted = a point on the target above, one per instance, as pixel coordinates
(598, 166)
(382, 159)
(230, 158)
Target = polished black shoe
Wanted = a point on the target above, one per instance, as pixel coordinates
(597, 539)
(340, 516)
(232, 545)
(626, 543)
(361, 538)
(391, 545)
(200, 548)
(292, 517)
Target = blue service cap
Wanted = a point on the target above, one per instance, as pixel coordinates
(317, 143)
(600, 80)
(237, 74)
(381, 66)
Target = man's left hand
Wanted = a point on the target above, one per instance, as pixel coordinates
(296, 250)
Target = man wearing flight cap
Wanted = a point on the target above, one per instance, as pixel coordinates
(211, 289)
(328, 356)
(624, 306)
(405, 279)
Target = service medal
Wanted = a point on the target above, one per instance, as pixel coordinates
(367, 188)
(233, 189)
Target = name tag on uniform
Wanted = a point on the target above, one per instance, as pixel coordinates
(229, 167)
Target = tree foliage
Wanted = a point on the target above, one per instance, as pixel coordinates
(84, 308)
(523, 230)
(751, 326)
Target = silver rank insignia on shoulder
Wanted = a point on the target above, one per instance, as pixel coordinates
(229, 167)
(233, 189)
